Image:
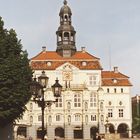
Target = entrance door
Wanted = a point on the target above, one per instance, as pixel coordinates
(78, 133)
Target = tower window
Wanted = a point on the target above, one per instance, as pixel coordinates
(66, 17)
(60, 37)
(66, 36)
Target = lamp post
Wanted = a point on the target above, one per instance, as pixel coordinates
(38, 89)
(99, 92)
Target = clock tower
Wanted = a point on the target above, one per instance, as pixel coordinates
(65, 33)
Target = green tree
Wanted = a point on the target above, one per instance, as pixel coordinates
(15, 76)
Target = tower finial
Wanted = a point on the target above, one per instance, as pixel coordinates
(65, 2)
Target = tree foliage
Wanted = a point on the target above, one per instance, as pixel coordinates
(15, 76)
(136, 117)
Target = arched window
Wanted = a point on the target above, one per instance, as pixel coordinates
(72, 37)
(66, 18)
(50, 119)
(86, 119)
(69, 105)
(101, 106)
(69, 119)
(60, 37)
(31, 119)
(86, 106)
(31, 106)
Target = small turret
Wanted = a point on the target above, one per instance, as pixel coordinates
(65, 33)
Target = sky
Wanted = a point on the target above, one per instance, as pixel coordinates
(109, 29)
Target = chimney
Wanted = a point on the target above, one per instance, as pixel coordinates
(116, 70)
(83, 49)
(43, 48)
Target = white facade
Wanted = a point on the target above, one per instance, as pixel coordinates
(79, 106)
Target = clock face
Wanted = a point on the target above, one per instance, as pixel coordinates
(67, 76)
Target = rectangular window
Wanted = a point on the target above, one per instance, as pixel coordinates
(92, 80)
(58, 117)
(93, 100)
(110, 113)
(93, 117)
(115, 90)
(59, 102)
(121, 90)
(40, 118)
(120, 113)
(107, 90)
(77, 100)
(77, 117)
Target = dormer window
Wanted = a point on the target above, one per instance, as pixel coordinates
(115, 81)
(84, 63)
(49, 64)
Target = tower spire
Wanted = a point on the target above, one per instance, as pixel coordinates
(65, 2)
(65, 33)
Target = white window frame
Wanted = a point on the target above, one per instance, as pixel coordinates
(77, 100)
(121, 113)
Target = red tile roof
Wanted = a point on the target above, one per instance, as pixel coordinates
(39, 65)
(52, 55)
(111, 78)
(40, 61)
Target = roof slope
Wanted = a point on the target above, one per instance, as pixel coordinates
(111, 78)
(52, 55)
(40, 61)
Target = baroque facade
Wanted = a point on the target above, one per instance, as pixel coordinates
(81, 110)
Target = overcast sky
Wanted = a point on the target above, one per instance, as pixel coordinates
(104, 27)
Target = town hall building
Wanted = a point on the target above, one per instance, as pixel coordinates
(83, 109)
